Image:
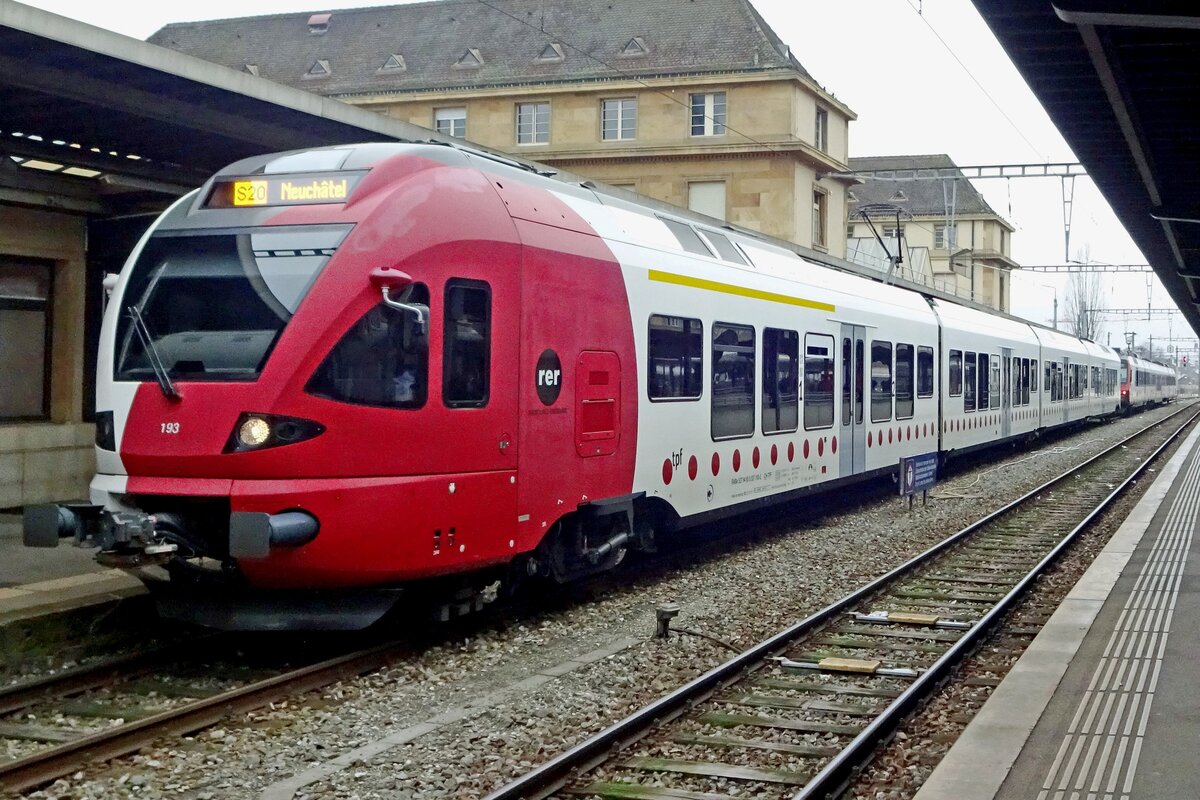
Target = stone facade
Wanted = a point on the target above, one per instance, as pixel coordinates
(50, 459)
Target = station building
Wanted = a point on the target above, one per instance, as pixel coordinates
(952, 239)
(697, 103)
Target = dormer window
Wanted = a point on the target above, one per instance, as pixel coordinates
(470, 59)
(394, 63)
(635, 47)
(318, 24)
(319, 69)
(552, 53)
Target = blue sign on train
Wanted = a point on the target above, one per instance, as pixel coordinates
(918, 473)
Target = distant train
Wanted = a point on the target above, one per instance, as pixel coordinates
(330, 376)
(1146, 383)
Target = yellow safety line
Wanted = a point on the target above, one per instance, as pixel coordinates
(741, 291)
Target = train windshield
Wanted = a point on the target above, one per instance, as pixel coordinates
(215, 303)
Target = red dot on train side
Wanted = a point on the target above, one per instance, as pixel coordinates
(774, 455)
(693, 467)
(716, 464)
(668, 472)
(791, 452)
(821, 446)
(754, 458)
(737, 460)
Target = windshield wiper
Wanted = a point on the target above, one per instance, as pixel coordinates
(160, 372)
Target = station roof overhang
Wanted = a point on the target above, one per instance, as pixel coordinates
(1120, 79)
(98, 123)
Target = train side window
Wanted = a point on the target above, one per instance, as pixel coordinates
(956, 373)
(994, 384)
(847, 368)
(968, 382)
(466, 344)
(732, 381)
(676, 358)
(859, 360)
(904, 381)
(1025, 381)
(984, 373)
(780, 381)
(881, 381)
(925, 372)
(818, 381)
(383, 360)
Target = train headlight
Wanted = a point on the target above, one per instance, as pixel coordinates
(262, 431)
(254, 432)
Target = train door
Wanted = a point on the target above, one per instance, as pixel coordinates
(1006, 392)
(853, 452)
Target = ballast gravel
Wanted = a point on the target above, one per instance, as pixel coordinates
(465, 716)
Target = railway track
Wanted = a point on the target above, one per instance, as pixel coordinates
(55, 725)
(799, 714)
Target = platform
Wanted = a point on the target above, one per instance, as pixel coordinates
(37, 581)
(1104, 703)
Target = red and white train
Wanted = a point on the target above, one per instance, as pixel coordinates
(332, 375)
(1146, 383)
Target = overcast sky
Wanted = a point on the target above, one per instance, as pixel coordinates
(925, 76)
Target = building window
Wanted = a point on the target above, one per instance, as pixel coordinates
(707, 197)
(943, 237)
(821, 134)
(25, 339)
(820, 219)
(533, 123)
(451, 122)
(618, 119)
(708, 114)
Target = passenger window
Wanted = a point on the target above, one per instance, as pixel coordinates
(781, 381)
(732, 381)
(994, 385)
(925, 372)
(466, 344)
(881, 381)
(847, 366)
(676, 361)
(984, 372)
(904, 381)
(969, 382)
(818, 381)
(956, 373)
(383, 360)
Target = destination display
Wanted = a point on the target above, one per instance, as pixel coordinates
(283, 190)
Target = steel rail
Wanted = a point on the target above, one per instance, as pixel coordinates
(46, 765)
(550, 776)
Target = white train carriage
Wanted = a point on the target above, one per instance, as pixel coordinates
(766, 374)
(990, 364)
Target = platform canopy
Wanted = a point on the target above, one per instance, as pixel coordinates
(1121, 80)
(95, 122)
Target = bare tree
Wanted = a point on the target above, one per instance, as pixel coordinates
(1085, 298)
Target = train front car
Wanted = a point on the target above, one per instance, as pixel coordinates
(298, 402)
